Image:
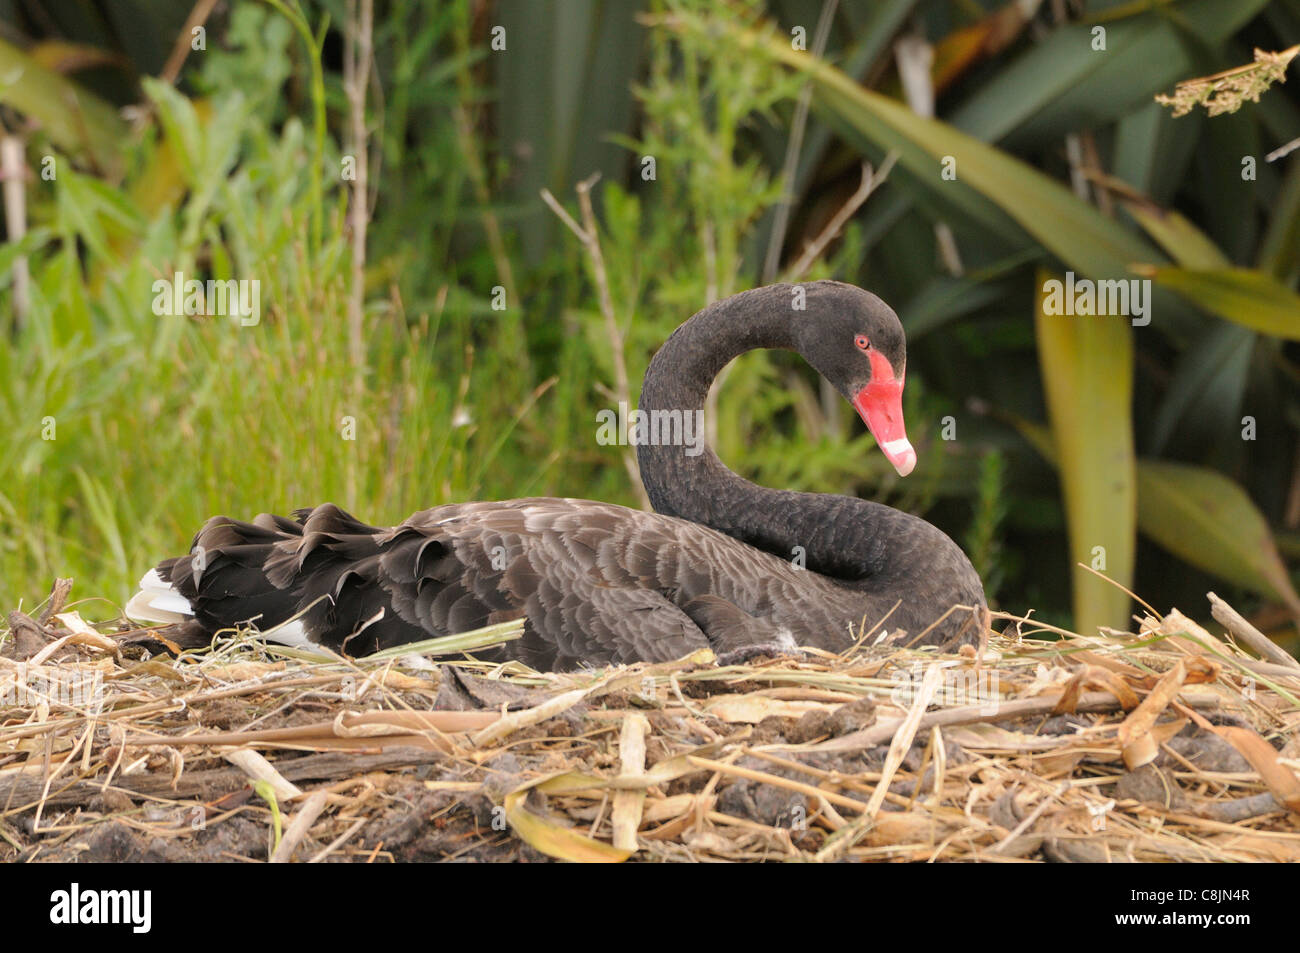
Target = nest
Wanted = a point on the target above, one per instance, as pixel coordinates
(1171, 743)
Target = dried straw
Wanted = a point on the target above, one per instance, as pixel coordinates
(1171, 743)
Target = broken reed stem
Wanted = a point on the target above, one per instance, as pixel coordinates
(530, 716)
(58, 599)
(588, 234)
(1235, 623)
(870, 182)
(13, 168)
(357, 63)
(312, 806)
(259, 769)
(1283, 150)
(185, 40)
(625, 816)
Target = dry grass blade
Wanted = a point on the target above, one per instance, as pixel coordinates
(557, 840)
(902, 740)
(1140, 744)
(1281, 780)
(1232, 620)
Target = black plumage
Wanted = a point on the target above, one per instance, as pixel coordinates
(597, 583)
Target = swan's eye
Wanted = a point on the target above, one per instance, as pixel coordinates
(862, 342)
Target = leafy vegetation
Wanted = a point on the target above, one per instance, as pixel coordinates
(1161, 454)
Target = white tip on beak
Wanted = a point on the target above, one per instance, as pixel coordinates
(900, 454)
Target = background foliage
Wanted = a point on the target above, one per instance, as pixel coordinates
(1070, 434)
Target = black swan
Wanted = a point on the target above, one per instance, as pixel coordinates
(723, 563)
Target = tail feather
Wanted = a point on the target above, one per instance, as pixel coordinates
(302, 581)
(158, 601)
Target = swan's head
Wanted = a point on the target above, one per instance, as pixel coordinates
(856, 342)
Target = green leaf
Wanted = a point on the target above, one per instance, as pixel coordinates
(63, 287)
(943, 298)
(75, 119)
(551, 103)
(1072, 230)
(266, 791)
(90, 208)
(26, 246)
(1279, 251)
(873, 27)
(181, 127)
(1245, 296)
(1205, 392)
(1185, 243)
(1206, 389)
(1087, 367)
(1202, 517)
(1207, 520)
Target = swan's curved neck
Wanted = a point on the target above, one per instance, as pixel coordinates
(836, 535)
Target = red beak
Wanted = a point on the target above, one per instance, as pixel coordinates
(880, 405)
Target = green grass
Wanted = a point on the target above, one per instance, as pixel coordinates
(129, 428)
(159, 422)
